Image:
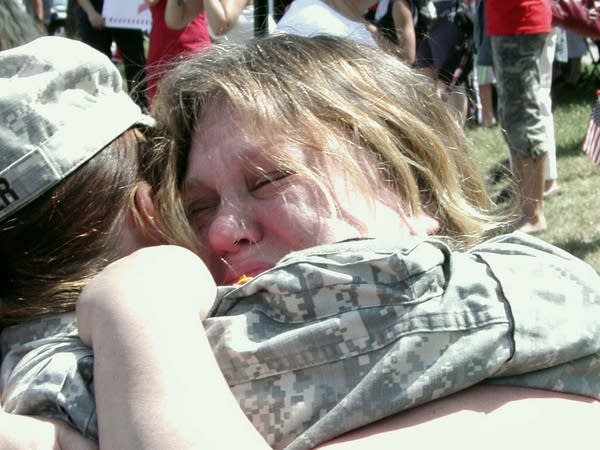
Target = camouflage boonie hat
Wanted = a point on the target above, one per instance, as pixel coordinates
(61, 102)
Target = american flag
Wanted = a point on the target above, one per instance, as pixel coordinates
(591, 144)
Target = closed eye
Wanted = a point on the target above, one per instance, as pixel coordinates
(269, 180)
(200, 212)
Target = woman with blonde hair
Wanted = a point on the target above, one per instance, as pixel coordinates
(325, 95)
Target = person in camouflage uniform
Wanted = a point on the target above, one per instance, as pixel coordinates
(58, 171)
(333, 336)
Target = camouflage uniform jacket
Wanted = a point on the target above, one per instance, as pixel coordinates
(335, 337)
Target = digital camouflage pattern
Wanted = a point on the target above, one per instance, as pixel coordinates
(338, 336)
(55, 92)
(516, 66)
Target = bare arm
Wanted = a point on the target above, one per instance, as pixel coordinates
(179, 13)
(405, 30)
(490, 417)
(223, 14)
(157, 383)
(37, 8)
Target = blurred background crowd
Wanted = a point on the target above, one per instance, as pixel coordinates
(445, 38)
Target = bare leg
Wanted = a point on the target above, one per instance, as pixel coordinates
(530, 179)
(487, 105)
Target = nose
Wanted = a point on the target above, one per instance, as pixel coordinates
(233, 228)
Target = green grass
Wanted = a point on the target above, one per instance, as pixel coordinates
(574, 214)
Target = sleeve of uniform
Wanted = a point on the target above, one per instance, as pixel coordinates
(554, 301)
(47, 371)
(340, 336)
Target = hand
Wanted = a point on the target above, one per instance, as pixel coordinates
(40, 25)
(96, 20)
(33, 433)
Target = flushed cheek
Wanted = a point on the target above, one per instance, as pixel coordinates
(293, 223)
(304, 219)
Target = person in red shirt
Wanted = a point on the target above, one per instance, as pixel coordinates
(167, 45)
(518, 30)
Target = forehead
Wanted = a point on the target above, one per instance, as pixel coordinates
(223, 137)
(223, 130)
(221, 126)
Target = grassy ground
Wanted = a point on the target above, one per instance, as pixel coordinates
(573, 214)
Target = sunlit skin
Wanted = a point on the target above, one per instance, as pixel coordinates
(247, 219)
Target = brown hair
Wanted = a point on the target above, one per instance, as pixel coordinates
(50, 248)
(322, 92)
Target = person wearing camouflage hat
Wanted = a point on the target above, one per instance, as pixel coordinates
(54, 96)
(69, 144)
(381, 317)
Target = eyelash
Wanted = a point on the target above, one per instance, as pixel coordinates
(197, 213)
(271, 178)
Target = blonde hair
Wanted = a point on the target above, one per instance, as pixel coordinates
(321, 92)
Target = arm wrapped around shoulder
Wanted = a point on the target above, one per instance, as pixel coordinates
(338, 336)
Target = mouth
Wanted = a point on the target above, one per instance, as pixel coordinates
(242, 274)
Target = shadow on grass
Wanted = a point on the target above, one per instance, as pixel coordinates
(579, 248)
(572, 149)
(499, 182)
(583, 92)
(500, 171)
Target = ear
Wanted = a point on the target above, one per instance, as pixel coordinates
(146, 211)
